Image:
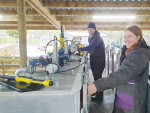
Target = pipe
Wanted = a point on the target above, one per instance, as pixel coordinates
(17, 73)
(38, 69)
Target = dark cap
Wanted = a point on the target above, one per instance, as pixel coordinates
(92, 25)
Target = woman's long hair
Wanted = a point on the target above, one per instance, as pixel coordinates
(137, 31)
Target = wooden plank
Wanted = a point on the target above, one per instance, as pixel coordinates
(46, 23)
(32, 12)
(90, 19)
(8, 12)
(8, 27)
(96, 4)
(41, 28)
(28, 28)
(11, 57)
(67, 28)
(9, 60)
(45, 12)
(9, 65)
(14, 12)
(11, 3)
(22, 32)
(103, 28)
(103, 24)
(100, 12)
(28, 23)
(8, 22)
(28, 18)
(9, 49)
(7, 71)
(7, 3)
(31, 23)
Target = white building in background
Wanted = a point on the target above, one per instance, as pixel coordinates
(3, 33)
(84, 36)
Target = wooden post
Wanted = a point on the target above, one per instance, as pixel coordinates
(6, 52)
(3, 68)
(22, 32)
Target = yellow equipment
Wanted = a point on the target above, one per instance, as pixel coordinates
(80, 46)
(62, 38)
(28, 80)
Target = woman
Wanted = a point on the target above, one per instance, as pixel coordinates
(131, 78)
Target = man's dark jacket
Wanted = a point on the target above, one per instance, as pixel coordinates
(97, 52)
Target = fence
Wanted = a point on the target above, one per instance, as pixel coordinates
(9, 64)
(9, 50)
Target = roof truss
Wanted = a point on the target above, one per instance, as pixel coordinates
(75, 15)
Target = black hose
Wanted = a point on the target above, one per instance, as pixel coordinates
(50, 42)
(72, 68)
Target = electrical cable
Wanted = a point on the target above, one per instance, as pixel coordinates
(50, 42)
(71, 42)
(71, 68)
(74, 67)
(64, 54)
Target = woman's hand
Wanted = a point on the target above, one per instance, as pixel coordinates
(92, 89)
(73, 50)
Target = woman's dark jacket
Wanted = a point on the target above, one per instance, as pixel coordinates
(130, 81)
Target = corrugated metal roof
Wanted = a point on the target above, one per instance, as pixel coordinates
(98, 0)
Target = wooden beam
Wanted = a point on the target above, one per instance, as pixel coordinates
(8, 12)
(7, 71)
(79, 24)
(90, 19)
(14, 12)
(11, 3)
(41, 28)
(28, 28)
(102, 28)
(45, 12)
(13, 23)
(96, 4)
(9, 65)
(28, 18)
(102, 24)
(8, 27)
(8, 23)
(39, 24)
(32, 12)
(100, 12)
(6, 3)
(22, 32)
(69, 28)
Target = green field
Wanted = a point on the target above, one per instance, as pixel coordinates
(13, 40)
(7, 40)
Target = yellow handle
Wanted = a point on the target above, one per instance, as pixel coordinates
(30, 80)
(45, 83)
(20, 79)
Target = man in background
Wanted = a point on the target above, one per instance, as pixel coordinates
(96, 48)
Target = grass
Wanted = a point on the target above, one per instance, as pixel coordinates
(7, 40)
(32, 41)
(12, 40)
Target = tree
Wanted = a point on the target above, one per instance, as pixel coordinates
(114, 36)
(38, 33)
(146, 36)
(14, 34)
